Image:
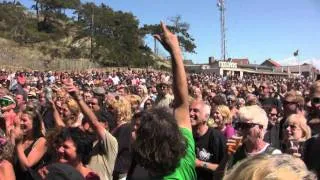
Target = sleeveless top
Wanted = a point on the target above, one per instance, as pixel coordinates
(26, 175)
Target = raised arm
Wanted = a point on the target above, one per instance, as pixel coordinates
(74, 92)
(56, 116)
(180, 88)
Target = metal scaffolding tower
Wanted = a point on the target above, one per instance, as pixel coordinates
(222, 9)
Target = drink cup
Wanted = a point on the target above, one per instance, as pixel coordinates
(233, 144)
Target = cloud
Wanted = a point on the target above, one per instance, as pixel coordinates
(291, 61)
(315, 62)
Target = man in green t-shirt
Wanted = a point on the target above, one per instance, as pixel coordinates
(164, 144)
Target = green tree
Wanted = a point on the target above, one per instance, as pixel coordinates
(177, 26)
(115, 34)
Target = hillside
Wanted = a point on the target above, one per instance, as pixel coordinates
(44, 56)
(52, 40)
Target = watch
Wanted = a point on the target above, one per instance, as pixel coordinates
(204, 165)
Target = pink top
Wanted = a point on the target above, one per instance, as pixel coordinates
(229, 131)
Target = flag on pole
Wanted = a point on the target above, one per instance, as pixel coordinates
(296, 53)
(219, 4)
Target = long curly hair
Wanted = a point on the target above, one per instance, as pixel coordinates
(159, 144)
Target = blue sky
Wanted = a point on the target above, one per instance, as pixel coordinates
(256, 29)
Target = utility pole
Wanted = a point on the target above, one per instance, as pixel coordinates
(221, 6)
(92, 34)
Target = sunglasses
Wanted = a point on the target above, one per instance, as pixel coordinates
(272, 114)
(288, 102)
(162, 87)
(5, 102)
(291, 126)
(245, 126)
(315, 100)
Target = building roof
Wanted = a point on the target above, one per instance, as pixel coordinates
(240, 61)
(274, 63)
(187, 61)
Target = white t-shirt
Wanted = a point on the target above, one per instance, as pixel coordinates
(276, 151)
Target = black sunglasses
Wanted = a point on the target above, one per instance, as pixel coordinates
(291, 126)
(288, 102)
(245, 126)
(315, 100)
(273, 114)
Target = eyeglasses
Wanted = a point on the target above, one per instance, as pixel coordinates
(245, 126)
(315, 100)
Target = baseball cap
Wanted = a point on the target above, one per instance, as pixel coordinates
(6, 101)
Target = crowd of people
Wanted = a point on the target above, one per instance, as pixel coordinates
(158, 125)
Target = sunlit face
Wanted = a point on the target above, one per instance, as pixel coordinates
(19, 99)
(289, 106)
(250, 132)
(148, 105)
(94, 104)
(139, 90)
(26, 124)
(273, 116)
(67, 152)
(218, 119)
(292, 130)
(197, 92)
(315, 101)
(136, 125)
(66, 113)
(121, 92)
(197, 115)
(162, 89)
(264, 89)
(87, 97)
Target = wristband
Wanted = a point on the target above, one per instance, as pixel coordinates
(204, 165)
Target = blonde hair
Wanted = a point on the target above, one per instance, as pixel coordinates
(123, 109)
(134, 99)
(270, 167)
(302, 123)
(225, 113)
(315, 88)
(254, 114)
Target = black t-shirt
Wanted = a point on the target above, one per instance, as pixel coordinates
(47, 116)
(136, 172)
(123, 136)
(272, 135)
(311, 154)
(211, 147)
